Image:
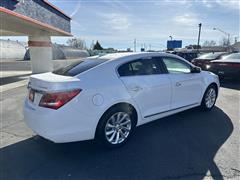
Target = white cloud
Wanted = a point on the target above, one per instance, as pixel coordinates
(187, 19)
(233, 4)
(207, 3)
(115, 21)
(230, 4)
(179, 1)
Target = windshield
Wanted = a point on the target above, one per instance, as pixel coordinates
(232, 56)
(79, 67)
(210, 55)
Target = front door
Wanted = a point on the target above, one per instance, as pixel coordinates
(186, 86)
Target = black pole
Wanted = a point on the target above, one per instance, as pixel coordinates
(199, 34)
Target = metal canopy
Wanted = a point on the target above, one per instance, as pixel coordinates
(15, 24)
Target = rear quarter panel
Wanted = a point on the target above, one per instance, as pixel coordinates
(104, 83)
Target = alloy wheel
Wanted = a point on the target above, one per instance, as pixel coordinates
(118, 128)
(210, 98)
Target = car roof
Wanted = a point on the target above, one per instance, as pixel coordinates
(116, 56)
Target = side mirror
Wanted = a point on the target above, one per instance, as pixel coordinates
(195, 69)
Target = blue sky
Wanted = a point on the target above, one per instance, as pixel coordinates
(116, 23)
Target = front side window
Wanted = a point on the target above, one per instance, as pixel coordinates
(176, 66)
(232, 56)
(140, 67)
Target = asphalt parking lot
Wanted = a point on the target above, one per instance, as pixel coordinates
(189, 145)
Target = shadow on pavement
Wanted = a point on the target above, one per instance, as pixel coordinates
(179, 146)
(12, 79)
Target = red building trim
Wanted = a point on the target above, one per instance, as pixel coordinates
(39, 44)
(31, 20)
(56, 8)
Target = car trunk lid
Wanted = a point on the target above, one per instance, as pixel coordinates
(46, 83)
(49, 82)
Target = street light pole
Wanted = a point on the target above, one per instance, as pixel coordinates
(199, 35)
(171, 37)
(227, 34)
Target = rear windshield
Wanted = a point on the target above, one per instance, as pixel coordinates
(232, 56)
(79, 67)
(209, 56)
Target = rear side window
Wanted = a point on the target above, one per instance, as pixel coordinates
(78, 67)
(140, 67)
(210, 56)
(125, 70)
(233, 56)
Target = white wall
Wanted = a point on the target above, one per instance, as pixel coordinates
(12, 50)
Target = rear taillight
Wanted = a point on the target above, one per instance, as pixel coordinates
(58, 99)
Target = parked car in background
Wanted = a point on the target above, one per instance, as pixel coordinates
(204, 60)
(227, 67)
(107, 97)
(189, 56)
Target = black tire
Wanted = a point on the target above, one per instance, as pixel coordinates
(204, 105)
(101, 136)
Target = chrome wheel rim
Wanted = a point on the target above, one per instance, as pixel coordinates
(118, 127)
(210, 98)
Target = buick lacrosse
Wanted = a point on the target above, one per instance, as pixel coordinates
(106, 97)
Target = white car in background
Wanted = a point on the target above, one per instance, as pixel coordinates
(107, 97)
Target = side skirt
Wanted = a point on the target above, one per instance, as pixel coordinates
(159, 115)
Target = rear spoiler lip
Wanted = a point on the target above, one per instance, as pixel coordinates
(43, 89)
(48, 92)
(51, 91)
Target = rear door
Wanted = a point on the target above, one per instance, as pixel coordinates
(147, 84)
(186, 86)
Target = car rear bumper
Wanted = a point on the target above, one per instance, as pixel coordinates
(59, 126)
(226, 73)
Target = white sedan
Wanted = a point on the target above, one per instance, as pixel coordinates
(106, 97)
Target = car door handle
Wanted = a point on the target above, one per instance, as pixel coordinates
(135, 88)
(178, 84)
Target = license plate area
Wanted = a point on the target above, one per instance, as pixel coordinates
(31, 95)
(221, 72)
(34, 96)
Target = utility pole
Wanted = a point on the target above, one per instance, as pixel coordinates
(199, 35)
(134, 44)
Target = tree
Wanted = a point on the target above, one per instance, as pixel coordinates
(193, 46)
(97, 46)
(77, 43)
(209, 43)
(224, 42)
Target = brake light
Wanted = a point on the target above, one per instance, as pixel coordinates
(57, 100)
